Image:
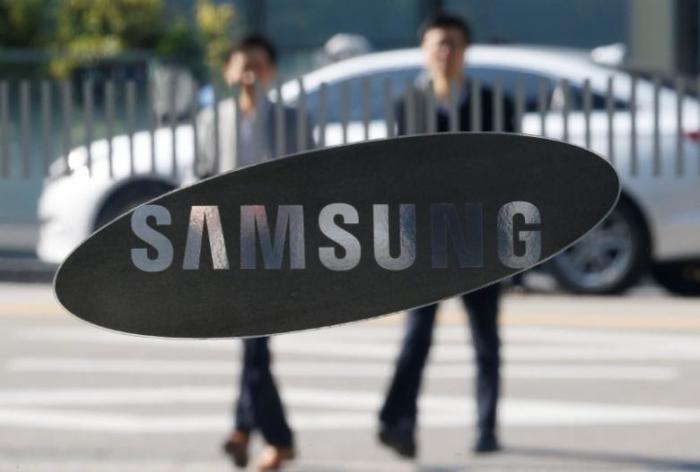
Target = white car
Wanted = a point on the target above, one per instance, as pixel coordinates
(656, 224)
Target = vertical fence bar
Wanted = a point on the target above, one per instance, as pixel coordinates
(453, 106)
(4, 129)
(88, 121)
(67, 108)
(109, 124)
(656, 138)
(220, 160)
(151, 122)
(634, 164)
(172, 118)
(680, 151)
(610, 112)
(365, 106)
(587, 107)
(258, 123)
(238, 145)
(388, 108)
(131, 122)
(216, 158)
(542, 105)
(430, 112)
(302, 121)
(476, 105)
(565, 109)
(519, 105)
(322, 114)
(410, 109)
(279, 121)
(196, 155)
(25, 117)
(344, 105)
(255, 130)
(46, 126)
(497, 106)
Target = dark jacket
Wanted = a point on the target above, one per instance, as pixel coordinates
(422, 122)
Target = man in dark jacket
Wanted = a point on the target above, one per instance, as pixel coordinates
(443, 99)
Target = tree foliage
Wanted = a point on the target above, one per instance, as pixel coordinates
(85, 32)
(215, 24)
(23, 23)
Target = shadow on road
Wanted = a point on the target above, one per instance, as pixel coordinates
(652, 463)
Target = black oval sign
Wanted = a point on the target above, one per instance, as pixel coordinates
(337, 235)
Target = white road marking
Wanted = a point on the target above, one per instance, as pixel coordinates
(337, 369)
(169, 464)
(334, 410)
(554, 345)
(346, 353)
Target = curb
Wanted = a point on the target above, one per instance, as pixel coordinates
(25, 267)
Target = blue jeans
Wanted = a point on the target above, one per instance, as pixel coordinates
(259, 405)
(400, 405)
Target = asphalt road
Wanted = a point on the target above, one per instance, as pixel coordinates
(590, 383)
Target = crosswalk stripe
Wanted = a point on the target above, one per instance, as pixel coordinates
(333, 410)
(606, 347)
(336, 369)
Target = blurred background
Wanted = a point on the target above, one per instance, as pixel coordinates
(98, 106)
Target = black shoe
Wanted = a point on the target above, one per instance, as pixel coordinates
(486, 443)
(400, 440)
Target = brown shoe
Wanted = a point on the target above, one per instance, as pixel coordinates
(236, 447)
(273, 458)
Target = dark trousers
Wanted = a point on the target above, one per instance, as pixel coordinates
(400, 405)
(259, 405)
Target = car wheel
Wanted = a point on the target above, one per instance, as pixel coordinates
(681, 278)
(609, 260)
(127, 198)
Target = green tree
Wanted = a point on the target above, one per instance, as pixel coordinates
(24, 23)
(88, 30)
(215, 24)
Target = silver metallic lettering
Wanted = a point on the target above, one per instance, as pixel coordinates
(467, 240)
(407, 237)
(530, 240)
(160, 242)
(351, 245)
(290, 219)
(199, 217)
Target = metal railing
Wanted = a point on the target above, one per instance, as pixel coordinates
(109, 129)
